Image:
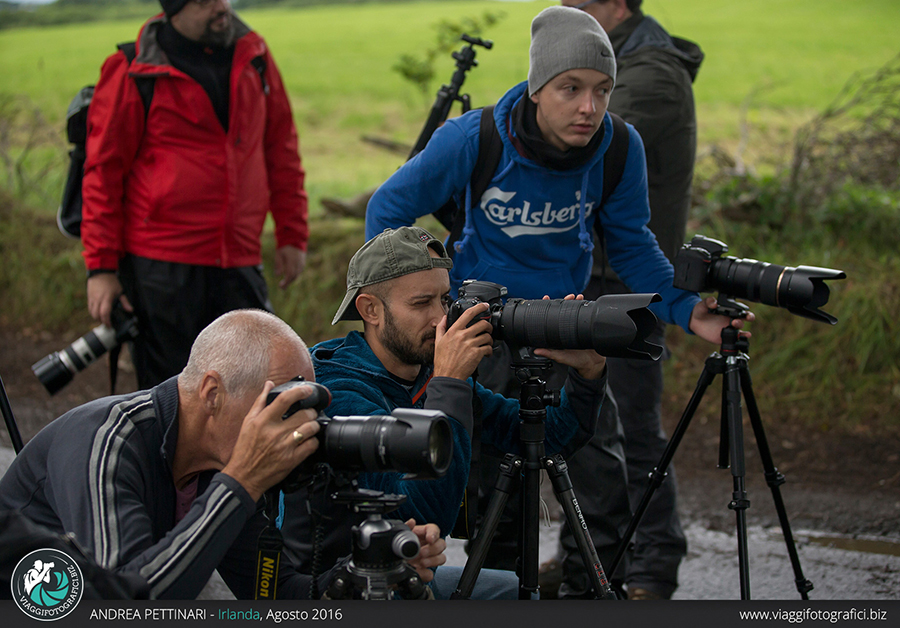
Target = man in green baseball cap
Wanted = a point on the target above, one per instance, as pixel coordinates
(398, 285)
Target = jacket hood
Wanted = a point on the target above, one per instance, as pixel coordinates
(149, 52)
(642, 31)
(351, 356)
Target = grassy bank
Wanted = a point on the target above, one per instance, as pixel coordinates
(769, 64)
(336, 63)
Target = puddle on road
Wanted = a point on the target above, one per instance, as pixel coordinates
(870, 546)
(856, 545)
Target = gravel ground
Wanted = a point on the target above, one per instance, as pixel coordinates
(844, 485)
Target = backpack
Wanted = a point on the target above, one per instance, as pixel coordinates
(68, 217)
(490, 148)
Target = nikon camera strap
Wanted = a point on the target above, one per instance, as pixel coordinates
(269, 545)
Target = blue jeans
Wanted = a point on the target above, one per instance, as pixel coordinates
(491, 584)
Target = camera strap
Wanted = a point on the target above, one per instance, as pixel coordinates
(114, 367)
(268, 561)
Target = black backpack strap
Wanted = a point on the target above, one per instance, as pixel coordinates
(614, 160)
(145, 84)
(490, 149)
(613, 170)
(259, 64)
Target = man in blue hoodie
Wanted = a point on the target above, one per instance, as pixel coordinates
(398, 284)
(655, 72)
(531, 230)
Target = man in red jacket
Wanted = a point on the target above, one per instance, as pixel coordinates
(176, 194)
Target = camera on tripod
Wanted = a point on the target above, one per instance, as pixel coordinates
(613, 325)
(701, 267)
(57, 369)
(418, 443)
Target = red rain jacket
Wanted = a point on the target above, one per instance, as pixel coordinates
(175, 186)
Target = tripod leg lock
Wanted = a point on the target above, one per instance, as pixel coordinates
(741, 503)
(775, 478)
(804, 586)
(657, 478)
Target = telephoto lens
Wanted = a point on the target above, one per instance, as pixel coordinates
(57, 369)
(700, 266)
(416, 442)
(615, 325)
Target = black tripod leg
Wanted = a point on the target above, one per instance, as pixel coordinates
(733, 429)
(507, 482)
(530, 527)
(774, 479)
(558, 471)
(711, 368)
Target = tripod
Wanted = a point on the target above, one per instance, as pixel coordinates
(11, 426)
(380, 548)
(518, 472)
(732, 363)
(448, 94)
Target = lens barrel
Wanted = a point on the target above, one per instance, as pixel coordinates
(416, 442)
(613, 325)
(57, 369)
(801, 291)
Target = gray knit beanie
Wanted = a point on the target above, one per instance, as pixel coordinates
(563, 38)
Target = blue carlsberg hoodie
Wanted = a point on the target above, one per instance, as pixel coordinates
(531, 231)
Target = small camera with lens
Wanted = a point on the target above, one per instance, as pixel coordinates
(57, 369)
(702, 266)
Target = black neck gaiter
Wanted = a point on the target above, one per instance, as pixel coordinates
(208, 65)
(524, 120)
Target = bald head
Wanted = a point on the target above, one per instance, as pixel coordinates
(243, 347)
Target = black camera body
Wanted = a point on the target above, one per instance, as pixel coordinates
(471, 293)
(418, 443)
(57, 369)
(701, 266)
(613, 325)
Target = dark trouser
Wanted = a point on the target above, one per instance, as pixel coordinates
(659, 542)
(636, 385)
(175, 302)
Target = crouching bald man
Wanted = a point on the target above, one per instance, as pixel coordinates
(398, 284)
(166, 483)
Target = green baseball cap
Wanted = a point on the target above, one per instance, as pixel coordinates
(391, 254)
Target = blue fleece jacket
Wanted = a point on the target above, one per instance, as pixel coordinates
(360, 385)
(531, 231)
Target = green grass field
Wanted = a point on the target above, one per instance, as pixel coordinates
(791, 57)
(336, 62)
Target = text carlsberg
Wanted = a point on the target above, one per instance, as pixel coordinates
(514, 221)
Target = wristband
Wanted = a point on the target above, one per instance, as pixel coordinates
(99, 271)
